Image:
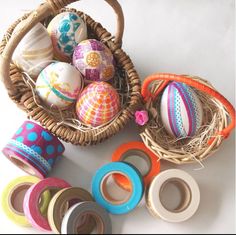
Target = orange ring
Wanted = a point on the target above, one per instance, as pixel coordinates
(128, 149)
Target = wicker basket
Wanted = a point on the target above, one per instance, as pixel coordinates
(21, 93)
(216, 127)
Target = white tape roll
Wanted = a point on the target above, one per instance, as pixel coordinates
(190, 196)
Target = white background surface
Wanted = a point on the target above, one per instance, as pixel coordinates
(180, 36)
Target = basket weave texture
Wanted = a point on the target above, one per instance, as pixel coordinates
(19, 90)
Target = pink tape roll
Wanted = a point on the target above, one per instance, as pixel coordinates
(34, 149)
(31, 201)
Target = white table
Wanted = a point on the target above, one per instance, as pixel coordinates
(179, 36)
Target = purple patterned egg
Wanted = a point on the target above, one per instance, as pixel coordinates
(94, 60)
(181, 110)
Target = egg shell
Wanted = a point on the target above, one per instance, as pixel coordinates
(181, 110)
(35, 51)
(59, 85)
(67, 29)
(97, 104)
(94, 60)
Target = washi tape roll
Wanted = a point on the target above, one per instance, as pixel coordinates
(13, 197)
(34, 149)
(133, 151)
(189, 191)
(60, 204)
(70, 221)
(31, 208)
(101, 195)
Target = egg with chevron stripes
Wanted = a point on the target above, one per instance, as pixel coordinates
(181, 110)
(59, 85)
(67, 30)
(35, 51)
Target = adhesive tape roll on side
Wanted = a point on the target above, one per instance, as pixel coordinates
(13, 197)
(136, 149)
(32, 197)
(102, 218)
(102, 196)
(189, 191)
(57, 208)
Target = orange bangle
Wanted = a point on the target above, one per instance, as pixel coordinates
(140, 150)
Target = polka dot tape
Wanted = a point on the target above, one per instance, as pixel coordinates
(34, 149)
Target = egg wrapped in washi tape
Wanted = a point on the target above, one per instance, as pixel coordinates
(67, 29)
(59, 85)
(181, 110)
(35, 51)
(94, 60)
(98, 104)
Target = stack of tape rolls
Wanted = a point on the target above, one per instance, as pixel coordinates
(190, 198)
(34, 149)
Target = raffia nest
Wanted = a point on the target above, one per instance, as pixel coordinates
(218, 112)
(64, 123)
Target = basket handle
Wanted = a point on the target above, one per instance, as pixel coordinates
(43, 11)
(166, 77)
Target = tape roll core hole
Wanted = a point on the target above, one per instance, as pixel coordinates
(139, 159)
(112, 192)
(22, 165)
(16, 198)
(175, 195)
(52, 191)
(99, 225)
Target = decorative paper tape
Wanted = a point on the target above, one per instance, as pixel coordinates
(100, 193)
(61, 202)
(13, 196)
(31, 208)
(189, 191)
(136, 149)
(103, 221)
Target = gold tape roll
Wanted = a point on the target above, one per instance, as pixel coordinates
(13, 197)
(61, 203)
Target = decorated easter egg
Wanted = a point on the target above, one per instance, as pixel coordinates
(35, 51)
(98, 104)
(181, 110)
(94, 60)
(66, 30)
(59, 85)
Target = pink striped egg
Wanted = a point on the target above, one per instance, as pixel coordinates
(181, 110)
(98, 104)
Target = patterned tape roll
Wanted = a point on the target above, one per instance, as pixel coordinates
(101, 195)
(189, 191)
(13, 197)
(134, 150)
(61, 202)
(34, 149)
(32, 197)
(103, 221)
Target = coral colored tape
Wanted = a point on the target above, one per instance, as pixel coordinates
(34, 149)
(32, 197)
(100, 193)
(11, 199)
(189, 191)
(136, 149)
(60, 203)
(102, 218)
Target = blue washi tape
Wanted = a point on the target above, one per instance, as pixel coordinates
(137, 187)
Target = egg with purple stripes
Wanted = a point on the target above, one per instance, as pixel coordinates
(181, 110)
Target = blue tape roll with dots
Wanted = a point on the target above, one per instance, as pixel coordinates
(103, 198)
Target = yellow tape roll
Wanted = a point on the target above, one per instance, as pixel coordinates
(13, 197)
